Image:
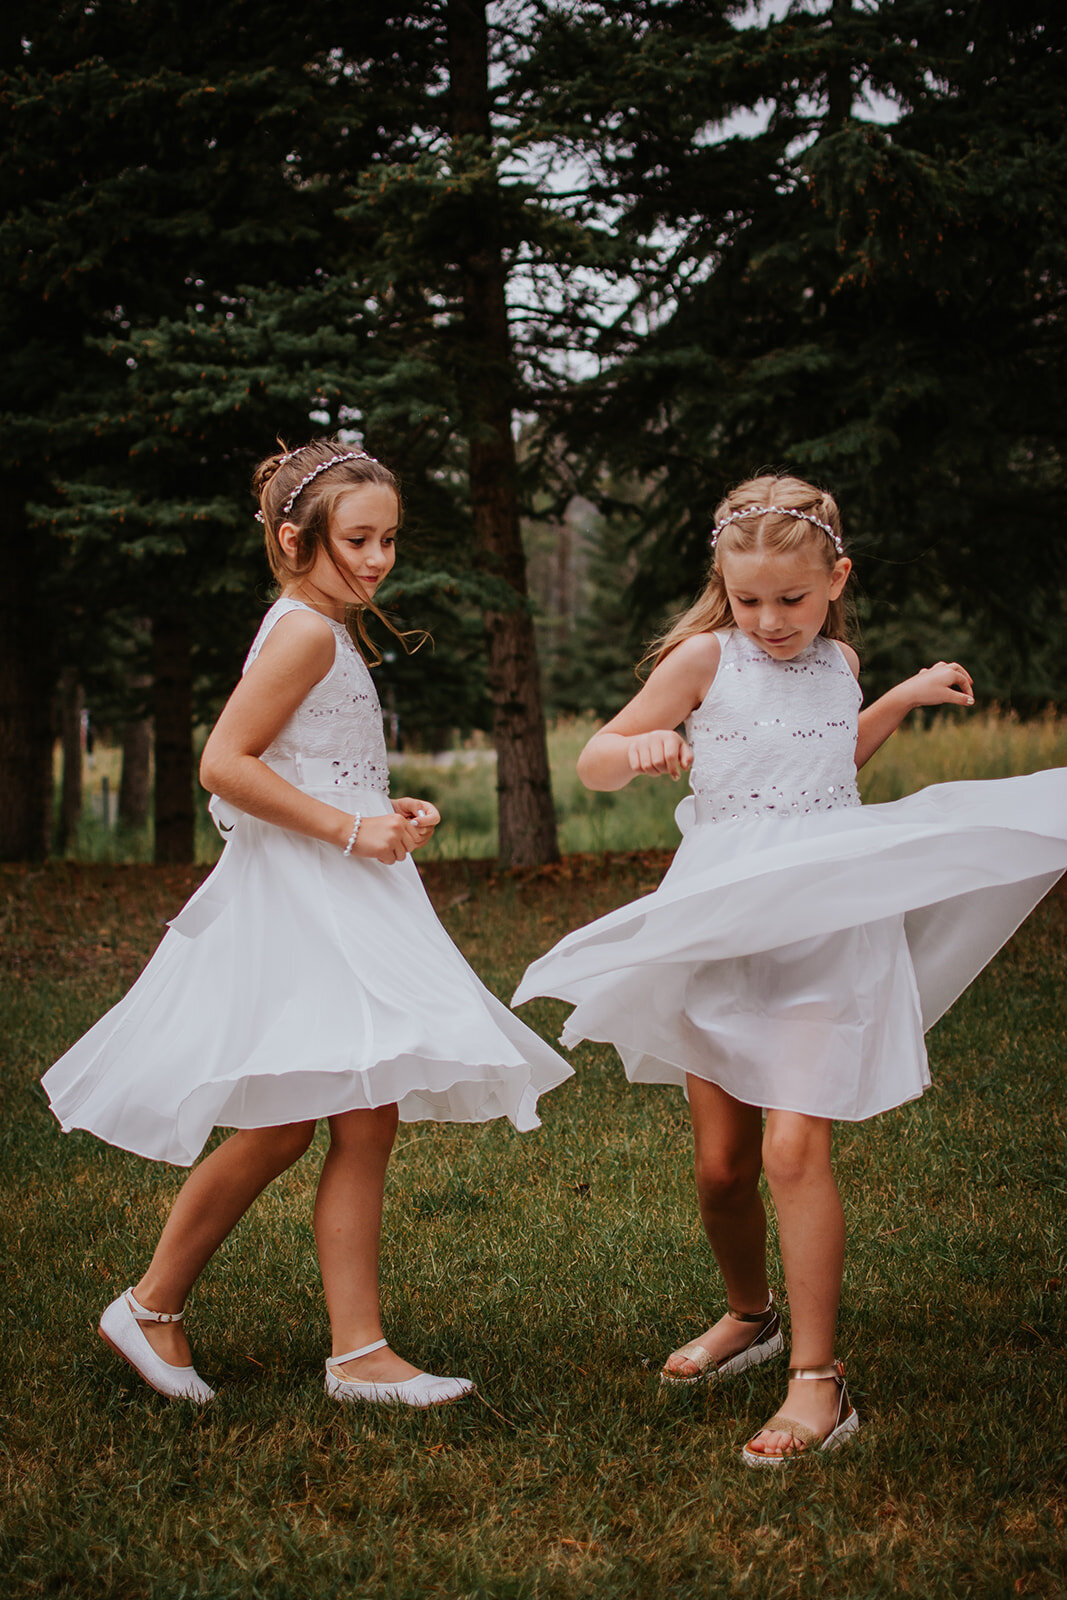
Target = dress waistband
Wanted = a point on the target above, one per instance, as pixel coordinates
(771, 801)
(323, 772)
(310, 772)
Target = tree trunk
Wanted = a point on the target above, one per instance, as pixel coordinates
(839, 90)
(527, 825)
(136, 760)
(71, 705)
(26, 676)
(173, 711)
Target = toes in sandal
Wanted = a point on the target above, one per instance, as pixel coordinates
(766, 1342)
(805, 1439)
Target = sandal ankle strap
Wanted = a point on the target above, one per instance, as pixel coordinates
(142, 1313)
(833, 1369)
(752, 1316)
(354, 1355)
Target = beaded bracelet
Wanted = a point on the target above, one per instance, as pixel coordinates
(352, 836)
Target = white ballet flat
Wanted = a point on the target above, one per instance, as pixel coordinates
(423, 1390)
(120, 1328)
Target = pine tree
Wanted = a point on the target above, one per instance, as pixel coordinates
(438, 231)
(874, 305)
(172, 203)
(260, 220)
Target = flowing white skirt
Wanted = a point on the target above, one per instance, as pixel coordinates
(797, 962)
(296, 984)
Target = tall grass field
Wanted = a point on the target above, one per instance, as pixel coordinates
(558, 1269)
(462, 783)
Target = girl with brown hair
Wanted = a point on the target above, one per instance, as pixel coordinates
(308, 977)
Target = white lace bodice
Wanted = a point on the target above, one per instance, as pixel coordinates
(339, 720)
(775, 738)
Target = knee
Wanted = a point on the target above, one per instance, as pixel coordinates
(725, 1183)
(374, 1129)
(793, 1156)
(290, 1141)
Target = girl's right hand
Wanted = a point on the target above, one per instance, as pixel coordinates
(945, 683)
(386, 839)
(662, 751)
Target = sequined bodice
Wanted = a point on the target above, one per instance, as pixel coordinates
(775, 738)
(339, 721)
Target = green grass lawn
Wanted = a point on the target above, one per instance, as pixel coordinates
(558, 1269)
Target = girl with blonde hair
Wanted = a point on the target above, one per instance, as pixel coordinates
(785, 970)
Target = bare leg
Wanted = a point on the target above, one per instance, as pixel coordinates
(348, 1225)
(811, 1228)
(727, 1135)
(210, 1203)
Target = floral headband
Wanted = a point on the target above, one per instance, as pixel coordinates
(334, 461)
(779, 511)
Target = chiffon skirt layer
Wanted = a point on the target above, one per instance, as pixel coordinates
(797, 962)
(296, 984)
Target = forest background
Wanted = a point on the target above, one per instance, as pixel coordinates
(572, 269)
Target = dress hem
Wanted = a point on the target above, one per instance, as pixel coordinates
(569, 1041)
(523, 1116)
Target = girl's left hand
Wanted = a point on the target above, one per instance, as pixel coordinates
(945, 683)
(421, 814)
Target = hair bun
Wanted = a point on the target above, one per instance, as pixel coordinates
(264, 473)
(268, 468)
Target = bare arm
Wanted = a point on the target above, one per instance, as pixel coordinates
(944, 684)
(642, 737)
(297, 654)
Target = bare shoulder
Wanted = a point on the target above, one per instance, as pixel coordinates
(699, 650)
(850, 656)
(672, 690)
(301, 642)
(695, 659)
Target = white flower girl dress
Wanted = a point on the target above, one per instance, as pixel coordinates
(297, 983)
(800, 943)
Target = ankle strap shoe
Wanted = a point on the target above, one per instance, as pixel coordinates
(766, 1342)
(423, 1390)
(120, 1327)
(804, 1439)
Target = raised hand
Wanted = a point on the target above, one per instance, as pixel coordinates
(662, 751)
(945, 683)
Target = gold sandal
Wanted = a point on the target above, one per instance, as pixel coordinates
(766, 1342)
(845, 1427)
